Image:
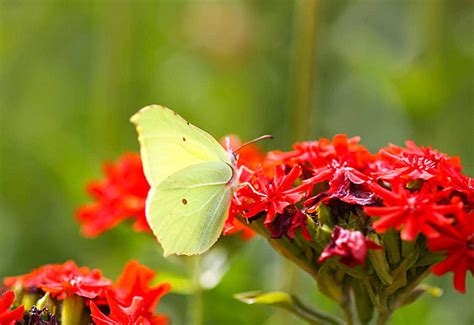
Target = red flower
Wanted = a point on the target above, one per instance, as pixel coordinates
(351, 245)
(416, 212)
(64, 280)
(320, 153)
(133, 300)
(457, 241)
(119, 196)
(413, 162)
(341, 168)
(135, 282)
(454, 179)
(7, 316)
(271, 196)
(123, 314)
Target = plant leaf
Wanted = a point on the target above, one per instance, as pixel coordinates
(288, 302)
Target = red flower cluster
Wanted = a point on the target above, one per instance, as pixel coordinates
(413, 189)
(63, 281)
(7, 316)
(131, 300)
(121, 195)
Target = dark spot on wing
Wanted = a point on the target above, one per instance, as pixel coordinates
(175, 113)
(184, 201)
(187, 123)
(184, 139)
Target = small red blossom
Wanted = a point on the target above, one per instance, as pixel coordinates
(120, 196)
(135, 281)
(413, 162)
(350, 245)
(341, 168)
(271, 196)
(457, 242)
(124, 314)
(64, 280)
(7, 316)
(415, 212)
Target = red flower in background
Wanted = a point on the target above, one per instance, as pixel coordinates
(417, 212)
(7, 316)
(350, 245)
(121, 195)
(64, 280)
(457, 241)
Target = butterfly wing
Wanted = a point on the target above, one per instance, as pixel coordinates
(169, 143)
(188, 209)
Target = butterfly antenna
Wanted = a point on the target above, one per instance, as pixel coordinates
(263, 137)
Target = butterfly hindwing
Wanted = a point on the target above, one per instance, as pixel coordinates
(188, 209)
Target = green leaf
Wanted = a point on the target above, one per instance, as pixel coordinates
(400, 273)
(288, 302)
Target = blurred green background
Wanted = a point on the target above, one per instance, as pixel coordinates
(73, 72)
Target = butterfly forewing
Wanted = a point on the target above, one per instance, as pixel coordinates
(169, 143)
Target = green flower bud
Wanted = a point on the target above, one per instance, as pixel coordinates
(364, 306)
(46, 302)
(391, 240)
(379, 261)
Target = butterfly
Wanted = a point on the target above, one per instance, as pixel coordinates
(191, 177)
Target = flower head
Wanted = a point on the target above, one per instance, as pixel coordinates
(121, 195)
(271, 196)
(64, 280)
(413, 212)
(135, 281)
(414, 162)
(350, 245)
(7, 316)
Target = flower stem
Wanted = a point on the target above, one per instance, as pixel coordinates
(195, 307)
(71, 312)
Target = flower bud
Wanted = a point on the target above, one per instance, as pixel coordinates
(379, 261)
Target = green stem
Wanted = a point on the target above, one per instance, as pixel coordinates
(313, 316)
(285, 248)
(383, 318)
(346, 307)
(195, 309)
(71, 312)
